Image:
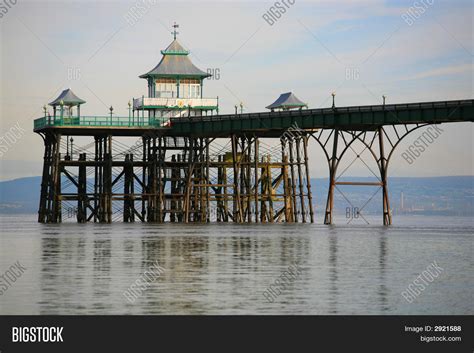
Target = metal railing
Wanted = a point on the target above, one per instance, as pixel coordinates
(322, 111)
(107, 121)
(97, 121)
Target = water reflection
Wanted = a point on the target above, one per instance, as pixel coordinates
(202, 273)
(383, 291)
(214, 269)
(333, 279)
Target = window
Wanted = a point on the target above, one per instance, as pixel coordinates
(189, 88)
(166, 88)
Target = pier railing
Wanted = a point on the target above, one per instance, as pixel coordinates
(96, 121)
(350, 118)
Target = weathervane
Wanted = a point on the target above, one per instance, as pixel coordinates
(175, 32)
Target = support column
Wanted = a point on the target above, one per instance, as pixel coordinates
(96, 178)
(174, 188)
(241, 163)
(82, 200)
(145, 141)
(332, 180)
(103, 179)
(237, 203)
(152, 182)
(308, 180)
(109, 179)
(248, 180)
(189, 156)
(293, 181)
(160, 155)
(208, 182)
(45, 179)
(288, 210)
(128, 190)
(226, 194)
(54, 197)
(256, 152)
(387, 217)
(300, 178)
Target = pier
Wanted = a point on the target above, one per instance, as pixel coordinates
(191, 164)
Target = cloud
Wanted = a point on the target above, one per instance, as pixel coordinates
(442, 71)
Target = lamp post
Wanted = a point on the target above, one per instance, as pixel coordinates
(61, 104)
(129, 112)
(72, 140)
(45, 110)
(384, 96)
(241, 107)
(111, 112)
(333, 94)
(235, 106)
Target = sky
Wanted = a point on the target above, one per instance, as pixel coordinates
(360, 50)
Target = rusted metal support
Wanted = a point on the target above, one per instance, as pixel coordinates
(144, 196)
(128, 190)
(82, 200)
(308, 180)
(190, 155)
(241, 179)
(54, 197)
(226, 194)
(207, 213)
(293, 181)
(108, 181)
(287, 191)
(96, 178)
(45, 179)
(237, 203)
(332, 179)
(199, 181)
(300, 178)
(387, 217)
(174, 188)
(105, 179)
(256, 178)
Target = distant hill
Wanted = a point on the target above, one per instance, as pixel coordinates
(20, 195)
(453, 195)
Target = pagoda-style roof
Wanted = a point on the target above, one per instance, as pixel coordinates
(175, 62)
(69, 99)
(175, 49)
(287, 101)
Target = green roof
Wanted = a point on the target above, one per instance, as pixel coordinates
(69, 99)
(287, 101)
(175, 62)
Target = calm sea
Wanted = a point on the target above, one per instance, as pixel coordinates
(225, 268)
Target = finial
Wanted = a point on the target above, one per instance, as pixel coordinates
(175, 32)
